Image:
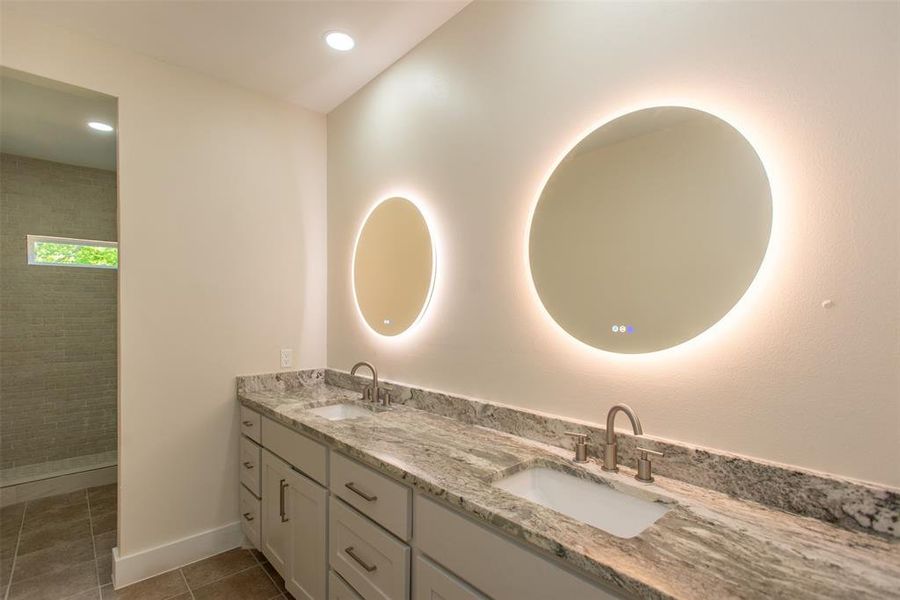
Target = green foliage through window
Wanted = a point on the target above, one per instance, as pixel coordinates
(75, 253)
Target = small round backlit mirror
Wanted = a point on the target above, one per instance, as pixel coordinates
(393, 267)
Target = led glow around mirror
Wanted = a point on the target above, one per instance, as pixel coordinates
(650, 230)
(393, 267)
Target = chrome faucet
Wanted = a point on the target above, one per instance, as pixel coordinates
(611, 451)
(372, 393)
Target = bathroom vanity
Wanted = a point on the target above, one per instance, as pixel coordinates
(326, 521)
(350, 500)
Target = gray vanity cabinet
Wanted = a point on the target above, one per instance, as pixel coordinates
(294, 510)
(321, 510)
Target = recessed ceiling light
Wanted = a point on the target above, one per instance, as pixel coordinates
(100, 126)
(339, 41)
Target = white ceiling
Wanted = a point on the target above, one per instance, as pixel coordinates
(274, 47)
(46, 119)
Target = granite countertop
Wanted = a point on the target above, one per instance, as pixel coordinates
(708, 545)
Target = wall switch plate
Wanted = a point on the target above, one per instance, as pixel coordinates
(287, 357)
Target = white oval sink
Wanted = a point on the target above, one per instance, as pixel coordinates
(339, 412)
(593, 503)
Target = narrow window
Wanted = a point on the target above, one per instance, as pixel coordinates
(68, 252)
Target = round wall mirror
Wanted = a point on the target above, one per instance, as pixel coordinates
(393, 267)
(650, 230)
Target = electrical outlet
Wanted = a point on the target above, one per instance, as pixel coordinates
(287, 358)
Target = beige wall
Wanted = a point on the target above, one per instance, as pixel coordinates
(57, 324)
(473, 119)
(222, 231)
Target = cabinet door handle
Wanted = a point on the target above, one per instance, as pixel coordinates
(362, 563)
(247, 423)
(349, 485)
(281, 513)
(248, 464)
(248, 517)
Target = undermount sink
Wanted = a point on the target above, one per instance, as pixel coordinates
(593, 503)
(340, 412)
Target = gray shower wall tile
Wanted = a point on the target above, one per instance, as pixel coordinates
(57, 324)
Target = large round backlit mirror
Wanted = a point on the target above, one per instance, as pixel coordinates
(650, 230)
(393, 267)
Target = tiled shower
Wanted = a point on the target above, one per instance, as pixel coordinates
(57, 324)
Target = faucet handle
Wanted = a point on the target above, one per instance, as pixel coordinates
(645, 467)
(580, 445)
(384, 397)
(645, 451)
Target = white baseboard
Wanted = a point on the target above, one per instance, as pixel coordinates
(154, 561)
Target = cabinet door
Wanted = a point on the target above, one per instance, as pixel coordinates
(276, 532)
(307, 504)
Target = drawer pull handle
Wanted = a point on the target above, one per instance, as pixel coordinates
(349, 485)
(362, 563)
(247, 423)
(248, 517)
(281, 512)
(248, 464)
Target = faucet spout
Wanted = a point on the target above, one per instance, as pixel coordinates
(371, 391)
(611, 422)
(611, 451)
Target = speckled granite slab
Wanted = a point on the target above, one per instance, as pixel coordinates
(708, 545)
(850, 504)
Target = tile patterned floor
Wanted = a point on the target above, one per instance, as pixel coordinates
(237, 574)
(59, 548)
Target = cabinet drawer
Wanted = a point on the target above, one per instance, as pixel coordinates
(250, 465)
(301, 452)
(250, 424)
(339, 590)
(250, 516)
(434, 583)
(370, 560)
(380, 498)
(492, 563)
